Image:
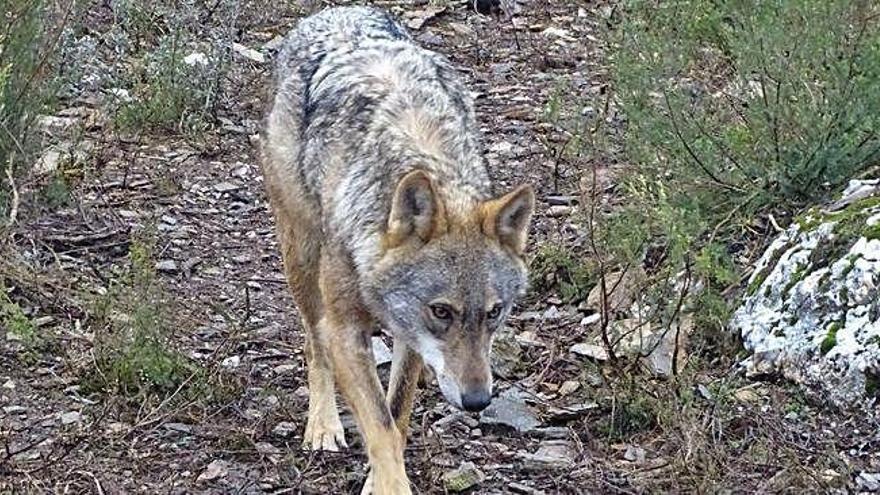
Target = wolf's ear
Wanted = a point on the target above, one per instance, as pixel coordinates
(507, 218)
(416, 210)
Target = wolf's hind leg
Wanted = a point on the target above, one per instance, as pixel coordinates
(301, 251)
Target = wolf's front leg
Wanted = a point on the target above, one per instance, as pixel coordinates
(348, 342)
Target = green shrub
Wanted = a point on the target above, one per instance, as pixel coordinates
(735, 110)
(178, 66)
(555, 268)
(14, 321)
(28, 64)
(134, 354)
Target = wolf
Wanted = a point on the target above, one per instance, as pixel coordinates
(386, 219)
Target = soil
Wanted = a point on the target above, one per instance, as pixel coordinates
(232, 315)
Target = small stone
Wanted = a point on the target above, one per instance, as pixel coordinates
(593, 351)
(47, 163)
(249, 53)
(590, 319)
(168, 266)
(528, 338)
(568, 387)
(551, 433)
(216, 469)
(570, 412)
(429, 38)
(462, 478)
(283, 369)
(552, 454)
(284, 429)
(196, 58)
(746, 395)
(71, 417)
(178, 427)
(552, 314)
(559, 211)
(868, 481)
(267, 448)
(635, 454)
(381, 352)
(231, 362)
(17, 410)
(55, 126)
(561, 200)
(224, 187)
(9, 385)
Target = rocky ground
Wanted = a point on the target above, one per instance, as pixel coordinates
(561, 422)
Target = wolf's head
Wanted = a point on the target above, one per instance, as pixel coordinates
(448, 278)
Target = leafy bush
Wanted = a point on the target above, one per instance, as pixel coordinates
(735, 110)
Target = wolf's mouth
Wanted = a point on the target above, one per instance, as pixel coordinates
(449, 388)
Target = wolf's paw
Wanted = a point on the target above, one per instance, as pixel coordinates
(324, 432)
(393, 487)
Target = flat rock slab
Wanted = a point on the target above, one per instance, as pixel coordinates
(510, 410)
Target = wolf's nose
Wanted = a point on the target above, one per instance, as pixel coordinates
(475, 400)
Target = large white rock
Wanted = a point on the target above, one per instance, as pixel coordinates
(812, 308)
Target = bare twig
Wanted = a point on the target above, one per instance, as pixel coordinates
(13, 209)
(604, 315)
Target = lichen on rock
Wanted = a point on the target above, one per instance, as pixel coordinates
(812, 306)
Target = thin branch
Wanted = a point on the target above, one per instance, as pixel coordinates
(690, 150)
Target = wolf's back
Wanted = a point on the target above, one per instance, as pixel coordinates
(333, 29)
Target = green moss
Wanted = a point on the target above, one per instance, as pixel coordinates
(872, 232)
(849, 267)
(762, 275)
(800, 271)
(872, 384)
(843, 295)
(809, 220)
(830, 339)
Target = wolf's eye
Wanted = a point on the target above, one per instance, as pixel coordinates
(494, 313)
(441, 311)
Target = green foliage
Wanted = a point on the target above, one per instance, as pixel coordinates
(632, 413)
(134, 357)
(733, 110)
(15, 321)
(56, 192)
(556, 268)
(171, 92)
(28, 63)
